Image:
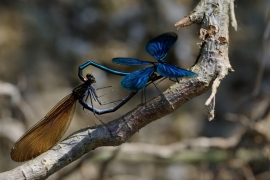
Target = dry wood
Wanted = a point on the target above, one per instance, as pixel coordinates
(211, 66)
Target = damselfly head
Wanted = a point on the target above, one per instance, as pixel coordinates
(90, 78)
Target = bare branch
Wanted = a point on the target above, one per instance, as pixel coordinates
(265, 44)
(213, 18)
(213, 63)
(7, 89)
(233, 19)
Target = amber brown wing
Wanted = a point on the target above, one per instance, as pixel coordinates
(46, 133)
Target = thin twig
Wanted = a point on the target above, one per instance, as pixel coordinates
(233, 19)
(265, 45)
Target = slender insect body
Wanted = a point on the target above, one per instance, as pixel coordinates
(49, 130)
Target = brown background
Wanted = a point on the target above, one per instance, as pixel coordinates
(43, 43)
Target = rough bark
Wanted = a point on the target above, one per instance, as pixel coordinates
(212, 66)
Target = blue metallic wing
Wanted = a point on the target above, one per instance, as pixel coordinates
(129, 61)
(138, 79)
(172, 71)
(159, 46)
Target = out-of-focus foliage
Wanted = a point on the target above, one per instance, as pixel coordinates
(42, 43)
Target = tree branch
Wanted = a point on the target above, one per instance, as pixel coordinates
(212, 65)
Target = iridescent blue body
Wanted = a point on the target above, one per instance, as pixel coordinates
(88, 63)
(158, 48)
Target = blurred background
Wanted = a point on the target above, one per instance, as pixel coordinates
(43, 43)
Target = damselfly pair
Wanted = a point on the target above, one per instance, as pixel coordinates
(49, 130)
